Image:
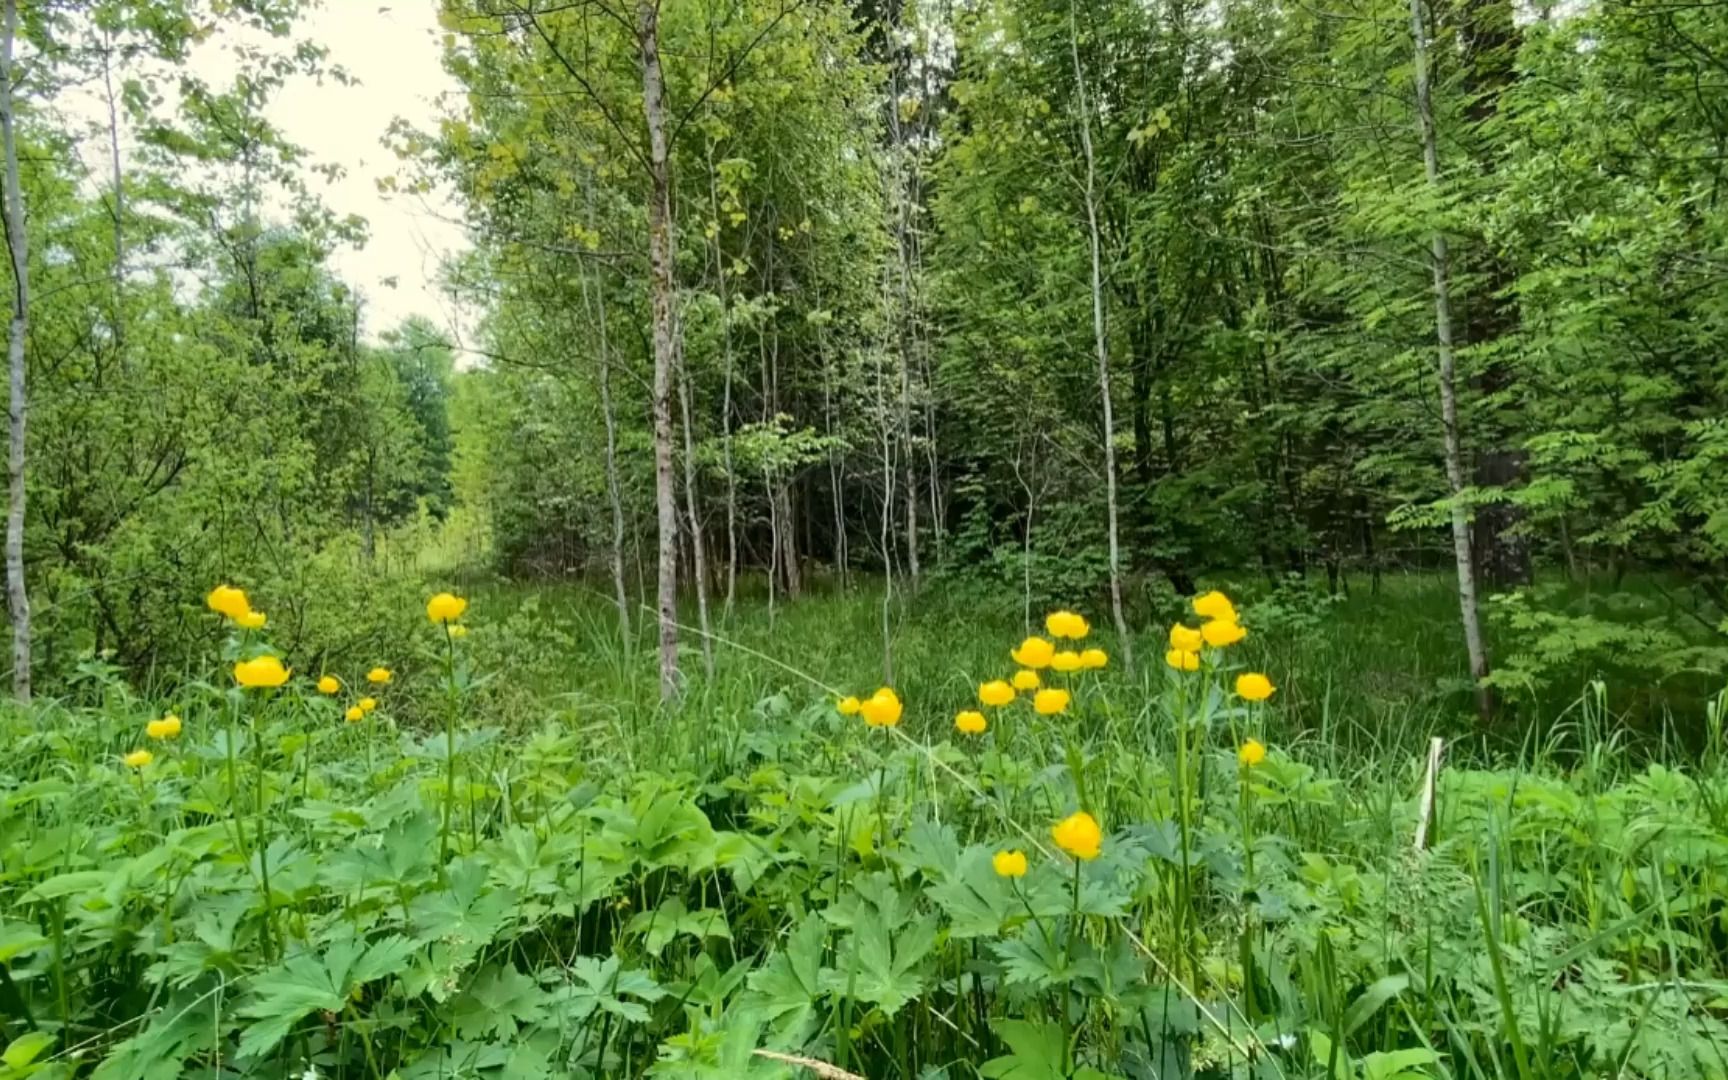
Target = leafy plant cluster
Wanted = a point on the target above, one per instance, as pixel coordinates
(285, 889)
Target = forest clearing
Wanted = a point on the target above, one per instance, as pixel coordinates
(865, 539)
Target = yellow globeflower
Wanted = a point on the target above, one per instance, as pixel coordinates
(1066, 661)
(1009, 863)
(1215, 605)
(329, 684)
(1034, 652)
(882, 709)
(229, 601)
(251, 620)
(458, 631)
(1025, 679)
(137, 759)
(970, 722)
(1254, 686)
(1079, 835)
(1051, 702)
(1185, 638)
(1221, 632)
(1253, 752)
(1066, 624)
(261, 673)
(445, 608)
(367, 704)
(1093, 659)
(849, 706)
(1183, 660)
(995, 693)
(165, 728)
(378, 676)
(355, 714)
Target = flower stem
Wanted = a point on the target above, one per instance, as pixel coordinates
(449, 745)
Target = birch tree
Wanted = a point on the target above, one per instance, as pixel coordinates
(1446, 372)
(17, 595)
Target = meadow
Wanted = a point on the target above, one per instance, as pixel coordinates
(496, 855)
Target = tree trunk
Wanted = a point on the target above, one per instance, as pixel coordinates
(118, 178)
(698, 551)
(726, 396)
(613, 495)
(17, 596)
(1461, 553)
(660, 280)
(1098, 333)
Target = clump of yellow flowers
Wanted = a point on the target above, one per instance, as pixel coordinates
(166, 728)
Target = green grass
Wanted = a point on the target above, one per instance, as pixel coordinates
(634, 889)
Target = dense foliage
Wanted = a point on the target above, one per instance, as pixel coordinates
(337, 873)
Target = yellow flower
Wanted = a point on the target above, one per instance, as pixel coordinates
(996, 693)
(165, 728)
(355, 714)
(1254, 686)
(882, 709)
(1066, 624)
(260, 673)
(229, 601)
(1092, 659)
(1185, 638)
(849, 706)
(1182, 660)
(378, 676)
(1009, 863)
(445, 608)
(970, 722)
(1025, 679)
(1051, 702)
(1034, 652)
(1253, 752)
(251, 620)
(1078, 835)
(367, 704)
(1065, 661)
(329, 684)
(458, 631)
(1215, 605)
(137, 759)
(1221, 632)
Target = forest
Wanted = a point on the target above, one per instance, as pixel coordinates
(932, 540)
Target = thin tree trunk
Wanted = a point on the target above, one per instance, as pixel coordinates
(1461, 553)
(725, 396)
(613, 494)
(17, 596)
(660, 273)
(118, 179)
(887, 530)
(698, 551)
(1124, 643)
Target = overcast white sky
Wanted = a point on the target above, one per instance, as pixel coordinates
(392, 48)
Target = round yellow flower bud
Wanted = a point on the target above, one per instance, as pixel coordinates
(882, 709)
(970, 722)
(1034, 652)
(1254, 686)
(1215, 605)
(166, 728)
(1009, 863)
(1051, 702)
(1253, 752)
(1026, 679)
(329, 684)
(137, 759)
(1182, 660)
(378, 676)
(995, 693)
(1185, 638)
(260, 673)
(445, 608)
(1221, 632)
(1079, 835)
